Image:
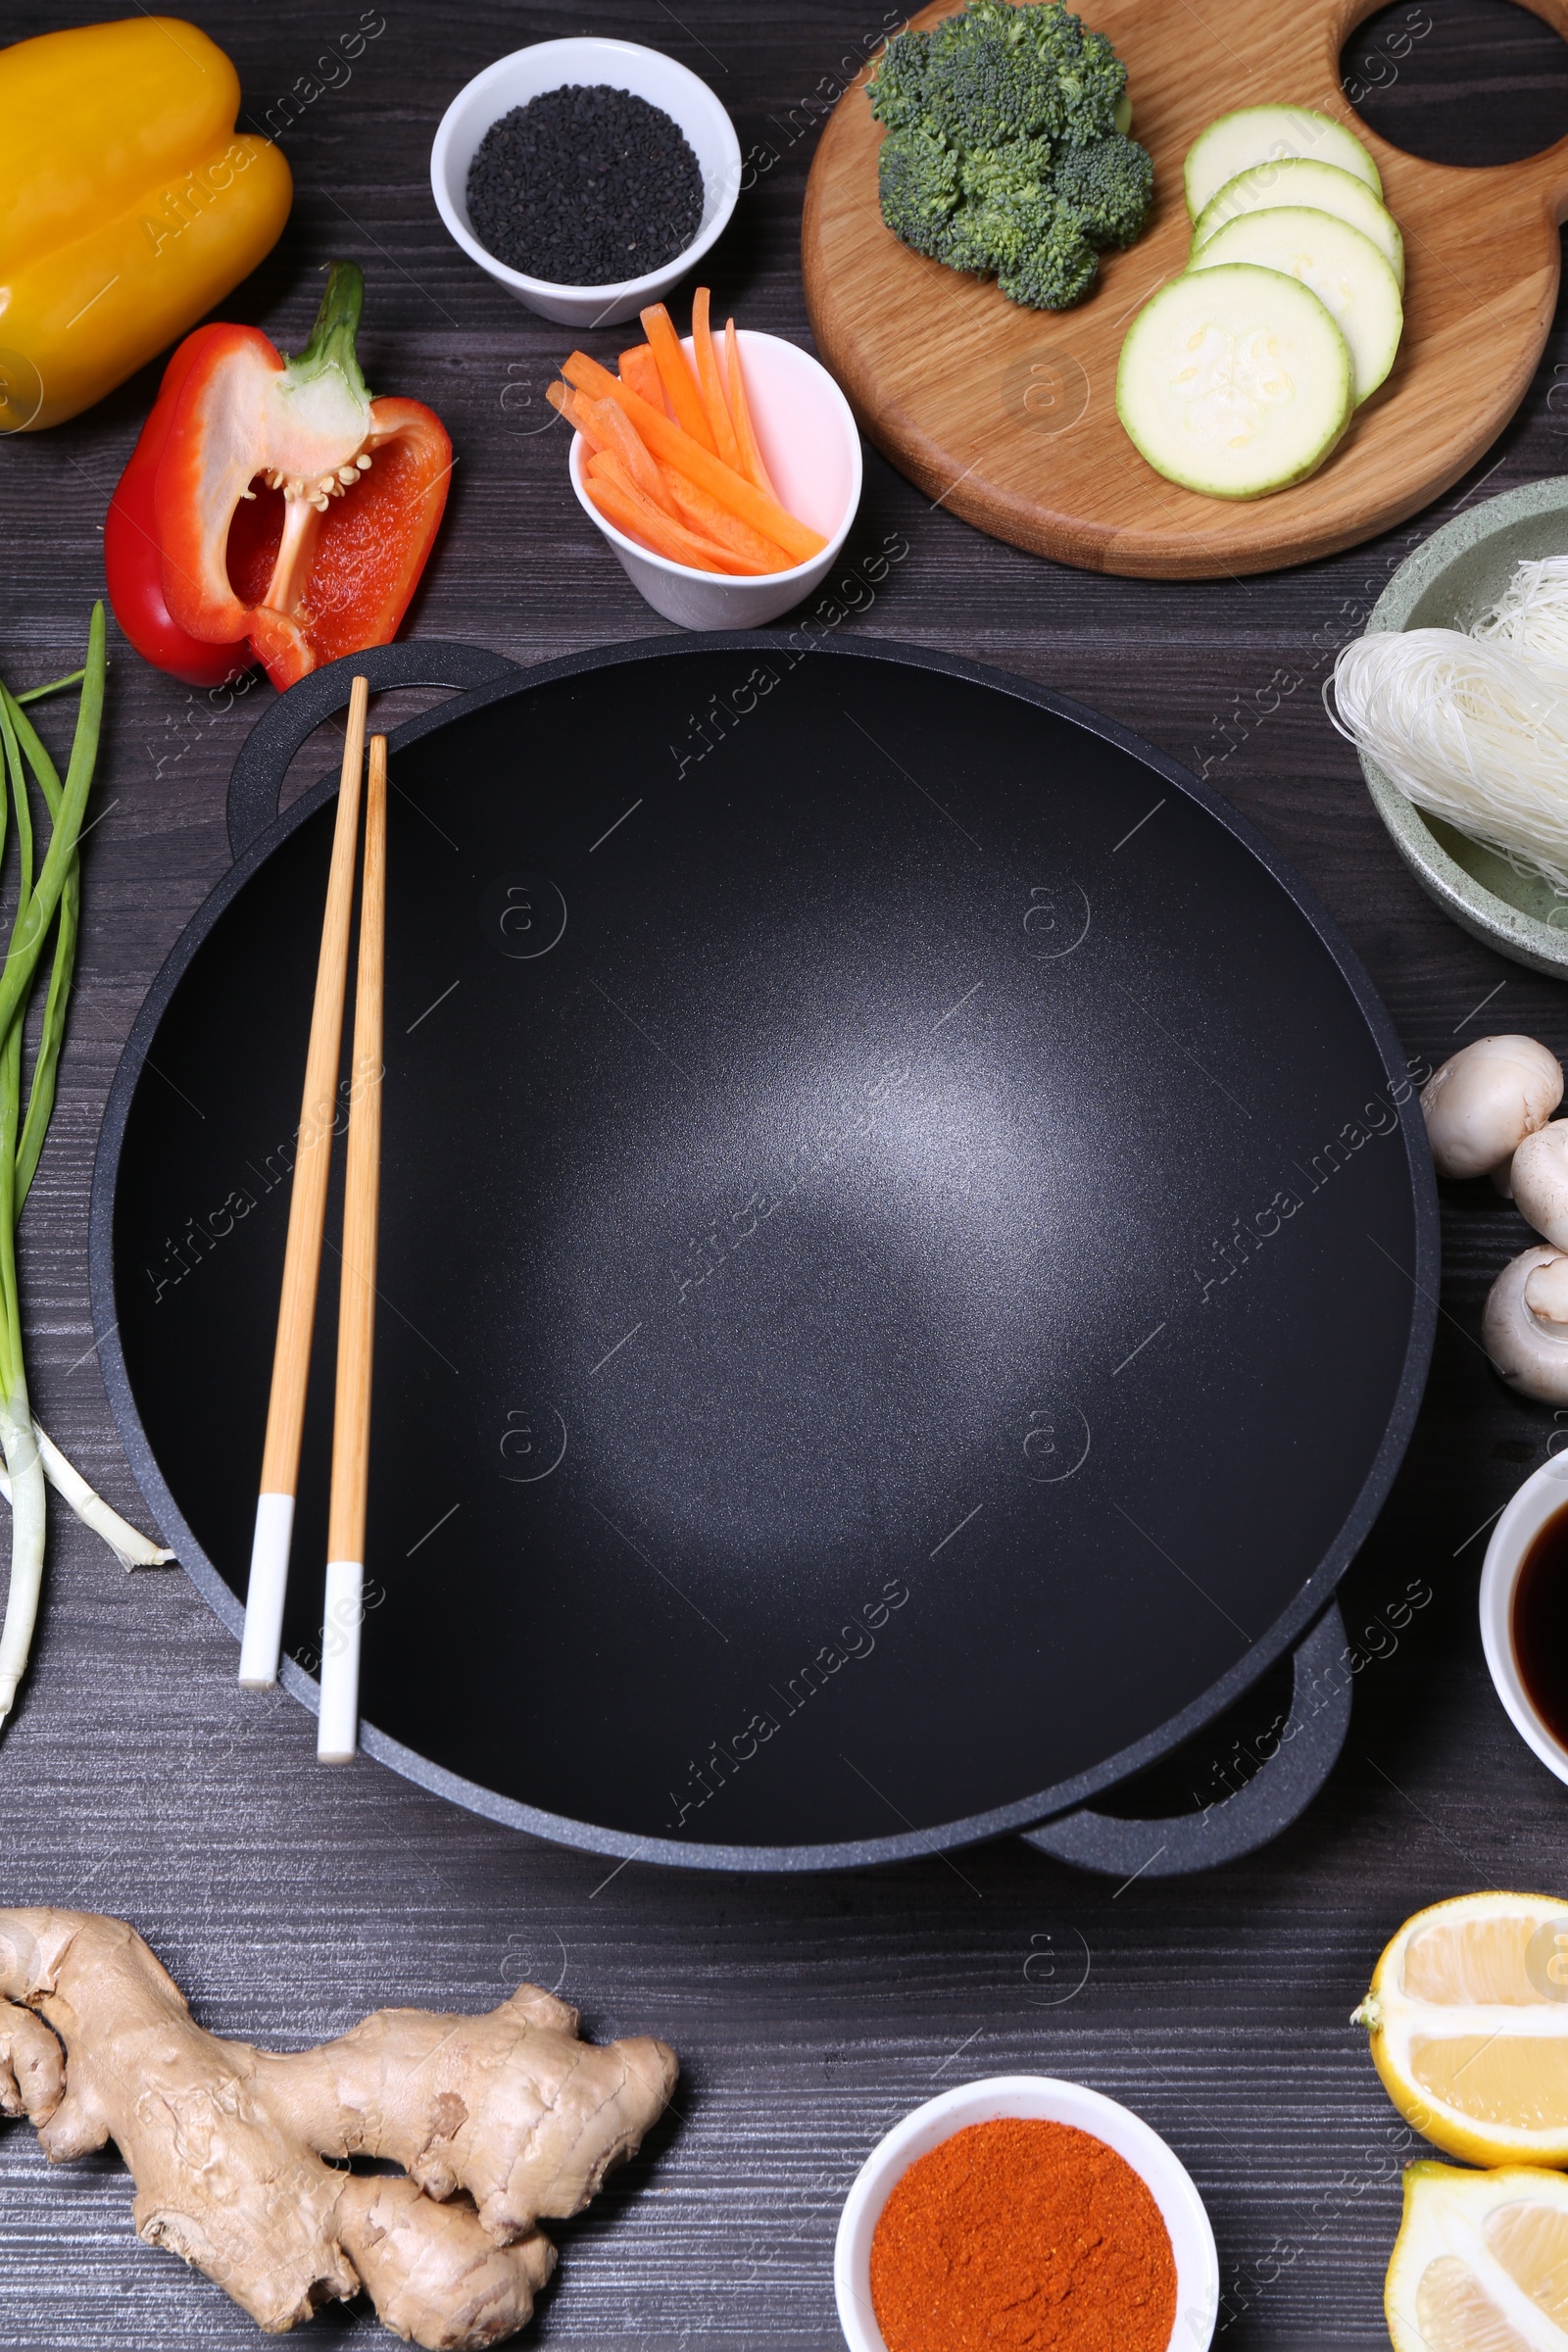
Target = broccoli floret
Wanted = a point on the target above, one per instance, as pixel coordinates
(1053, 265)
(896, 91)
(1006, 148)
(1093, 78)
(1011, 222)
(1000, 187)
(1110, 185)
(999, 72)
(917, 179)
(986, 81)
(997, 174)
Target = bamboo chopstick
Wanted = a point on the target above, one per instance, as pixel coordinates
(306, 1214)
(338, 1728)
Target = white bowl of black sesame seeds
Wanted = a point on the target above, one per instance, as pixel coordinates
(626, 151)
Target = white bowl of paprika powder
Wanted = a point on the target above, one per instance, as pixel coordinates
(992, 2204)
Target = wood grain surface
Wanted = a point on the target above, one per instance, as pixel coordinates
(951, 379)
(137, 1779)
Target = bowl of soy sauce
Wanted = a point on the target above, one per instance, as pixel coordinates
(1524, 1612)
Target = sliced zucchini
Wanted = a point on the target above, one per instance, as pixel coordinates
(1262, 134)
(1298, 180)
(1234, 380)
(1345, 270)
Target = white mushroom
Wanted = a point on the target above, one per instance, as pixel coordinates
(1538, 1176)
(1525, 1327)
(1484, 1101)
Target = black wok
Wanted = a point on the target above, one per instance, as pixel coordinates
(908, 1255)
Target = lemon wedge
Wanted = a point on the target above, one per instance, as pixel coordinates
(1480, 2262)
(1468, 2017)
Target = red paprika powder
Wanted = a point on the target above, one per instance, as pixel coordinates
(1024, 2233)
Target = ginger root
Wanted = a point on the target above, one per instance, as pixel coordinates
(239, 2156)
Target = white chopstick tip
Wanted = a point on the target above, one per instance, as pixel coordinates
(266, 1592)
(337, 1732)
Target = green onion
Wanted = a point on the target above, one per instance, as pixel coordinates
(36, 694)
(48, 899)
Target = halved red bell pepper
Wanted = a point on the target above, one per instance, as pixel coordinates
(134, 560)
(291, 511)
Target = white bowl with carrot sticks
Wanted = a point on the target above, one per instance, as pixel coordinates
(724, 471)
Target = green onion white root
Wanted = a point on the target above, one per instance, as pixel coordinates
(130, 1548)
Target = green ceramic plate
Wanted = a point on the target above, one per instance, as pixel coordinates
(1448, 584)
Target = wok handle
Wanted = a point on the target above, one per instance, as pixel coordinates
(264, 755)
(1309, 1747)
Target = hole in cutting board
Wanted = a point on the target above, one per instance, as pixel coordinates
(1459, 81)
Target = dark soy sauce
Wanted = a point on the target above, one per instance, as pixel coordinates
(1541, 1624)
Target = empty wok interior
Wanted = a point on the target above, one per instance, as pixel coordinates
(897, 1259)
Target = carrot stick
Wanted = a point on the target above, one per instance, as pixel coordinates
(681, 388)
(750, 465)
(640, 369)
(573, 407)
(612, 429)
(712, 383)
(716, 554)
(674, 447)
(641, 520)
(703, 514)
(607, 467)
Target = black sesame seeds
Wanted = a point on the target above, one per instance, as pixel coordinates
(584, 187)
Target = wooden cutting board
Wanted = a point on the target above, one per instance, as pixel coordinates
(1008, 417)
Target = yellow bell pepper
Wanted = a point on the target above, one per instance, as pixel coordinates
(127, 206)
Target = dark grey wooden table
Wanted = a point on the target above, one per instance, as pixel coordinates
(136, 1779)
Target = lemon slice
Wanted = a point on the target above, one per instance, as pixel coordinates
(1468, 2015)
(1480, 2262)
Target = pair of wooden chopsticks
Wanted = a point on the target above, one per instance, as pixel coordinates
(337, 1736)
